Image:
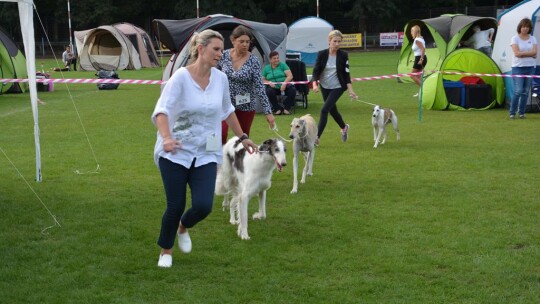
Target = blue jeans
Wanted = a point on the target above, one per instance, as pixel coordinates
(521, 89)
(201, 180)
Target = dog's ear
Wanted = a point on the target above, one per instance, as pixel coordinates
(266, 145)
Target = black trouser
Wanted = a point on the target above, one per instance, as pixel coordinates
(331, 97)
(72, 61)
(272, 94)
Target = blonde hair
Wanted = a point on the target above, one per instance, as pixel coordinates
(335, 33)
(202, 38)
(417, 31)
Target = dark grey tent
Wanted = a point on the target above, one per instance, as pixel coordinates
(175, 35)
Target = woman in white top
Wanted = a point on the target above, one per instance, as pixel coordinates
(524, 47)
(188, 116)
(419, 50)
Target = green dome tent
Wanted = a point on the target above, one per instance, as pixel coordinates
(443, 35)
(461, 60)
(12, 65)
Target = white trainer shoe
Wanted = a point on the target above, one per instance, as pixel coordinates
(184, 242)
(165, 261)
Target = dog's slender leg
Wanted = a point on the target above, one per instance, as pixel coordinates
(261, 214)
(295, 172)
(226, 204)
(233, 210)
(395, 125)
(311, 157)
(384, 135)
(306, 167)
(243, 210)
(379, 133)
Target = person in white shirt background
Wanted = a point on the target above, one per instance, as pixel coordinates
(525, 47)
(419, 50)
(481, 40)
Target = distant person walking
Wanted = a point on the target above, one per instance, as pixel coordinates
(331, 71)
(524, 47)
(420, 58)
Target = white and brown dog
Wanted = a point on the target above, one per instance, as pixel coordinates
(245, 175)
(304, 134)
(380, 118)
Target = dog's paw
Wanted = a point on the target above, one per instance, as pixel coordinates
(294, 190)
(242, 233)
(259, 216)
(234, 222)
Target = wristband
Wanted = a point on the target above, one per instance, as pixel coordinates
(243, 137)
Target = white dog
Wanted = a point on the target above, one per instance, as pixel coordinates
(379, 120)
(304, 133)
(245, 175)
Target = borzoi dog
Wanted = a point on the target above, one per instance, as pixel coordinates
(245, 175)
(380, 118)
(304, 133)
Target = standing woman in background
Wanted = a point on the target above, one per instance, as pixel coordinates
(524, 46)
(188, 116)
(419, 50)
(245, 81)
(331, 70)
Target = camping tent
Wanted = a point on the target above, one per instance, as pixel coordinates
(12, 64)
(443, 35)
(502, 51)
(115, 47)
(308, 36)
(175, 35)
(26, 18)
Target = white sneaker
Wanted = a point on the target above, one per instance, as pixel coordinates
(415, 95)
(165, 261)
(184, 242)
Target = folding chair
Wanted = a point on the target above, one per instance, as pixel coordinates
(298, 69)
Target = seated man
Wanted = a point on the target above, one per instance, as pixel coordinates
(279, 72)
(69, 58)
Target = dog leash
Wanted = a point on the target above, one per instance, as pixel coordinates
(369, 103)
(275, 130)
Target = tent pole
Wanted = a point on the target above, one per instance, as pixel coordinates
(69, 25)
(317, 8)
(197, 8)
(420, 97)
(26, 16)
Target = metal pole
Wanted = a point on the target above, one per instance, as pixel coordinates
(197, 8)
(317, 8)
(69, 23)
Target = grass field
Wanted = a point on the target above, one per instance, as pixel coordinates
(450, 214)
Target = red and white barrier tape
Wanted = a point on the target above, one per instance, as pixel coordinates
(98, 80)
(140, 81)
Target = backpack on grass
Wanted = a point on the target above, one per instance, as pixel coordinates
(104, 74)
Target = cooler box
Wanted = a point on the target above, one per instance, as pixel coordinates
(455, 92)
(478, 96)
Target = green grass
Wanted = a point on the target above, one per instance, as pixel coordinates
(447, 215)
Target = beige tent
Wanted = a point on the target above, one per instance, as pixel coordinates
(115, 47)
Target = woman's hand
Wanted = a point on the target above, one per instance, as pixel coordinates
(271, 120)
(315, 87)
(171, 145)
(250, 146)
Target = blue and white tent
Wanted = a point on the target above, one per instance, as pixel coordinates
(308, 36)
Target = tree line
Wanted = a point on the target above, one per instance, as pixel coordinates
(349, 16)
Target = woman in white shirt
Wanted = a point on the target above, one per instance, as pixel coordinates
(419, 50)
(188, 116)
(524, 47)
